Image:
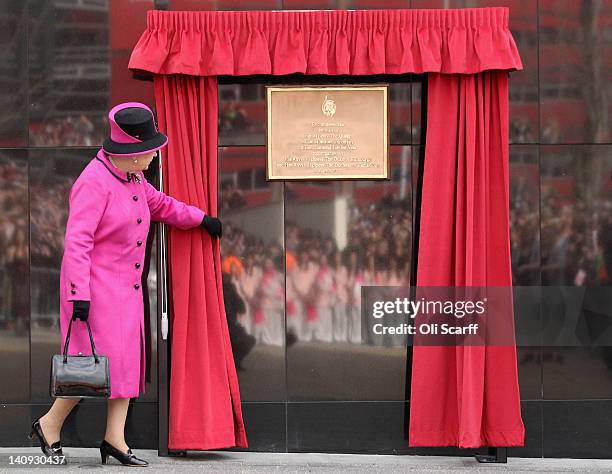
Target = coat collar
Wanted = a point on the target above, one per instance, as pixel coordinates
(116, 172)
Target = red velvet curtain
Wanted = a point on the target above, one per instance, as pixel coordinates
(334, 42)
(466, 396)
(463, 396)
(205, 410)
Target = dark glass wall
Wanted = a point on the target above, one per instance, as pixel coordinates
(63, 68)
(310, 386)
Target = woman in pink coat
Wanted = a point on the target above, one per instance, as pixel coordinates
(111, 206)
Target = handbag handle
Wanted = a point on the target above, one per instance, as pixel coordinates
(93, 347)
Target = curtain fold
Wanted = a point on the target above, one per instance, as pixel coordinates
(205, 409)
(211, 43)
(466, 396)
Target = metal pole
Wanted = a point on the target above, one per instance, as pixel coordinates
(163, 353)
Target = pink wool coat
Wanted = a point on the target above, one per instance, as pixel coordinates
(104, 251)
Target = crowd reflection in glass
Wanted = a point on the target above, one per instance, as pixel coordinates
(48, 216)
(560, 236)
(321, 282)
(77, 130)
(32, 230)
(14, 252)
(576, 233)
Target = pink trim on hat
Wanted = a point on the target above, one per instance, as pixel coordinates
(117, 133)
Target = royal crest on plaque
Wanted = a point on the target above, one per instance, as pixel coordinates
(328, 107)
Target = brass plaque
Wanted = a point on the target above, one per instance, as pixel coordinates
(320, 132)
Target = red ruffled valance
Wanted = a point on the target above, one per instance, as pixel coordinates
(210, 43)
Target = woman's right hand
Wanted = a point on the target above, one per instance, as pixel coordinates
(212, 225)
(80, 310)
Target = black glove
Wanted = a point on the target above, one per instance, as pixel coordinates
(80, 310)
(212, 225)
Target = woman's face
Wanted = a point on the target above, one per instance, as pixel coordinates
(138, 162)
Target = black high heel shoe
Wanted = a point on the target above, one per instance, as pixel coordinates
(128, 459)
(53, 450)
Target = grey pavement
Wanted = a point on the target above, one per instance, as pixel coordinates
(88, 460)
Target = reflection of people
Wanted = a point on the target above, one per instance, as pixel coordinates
(323, 283)
(341, 290)
(302, 280)
(323, 328)
(233, 118)
(230, 197)
(242, 343)
(356, 280)
(270, 329)
(248, 284)
(605, 244)
(67, 131)
(111, 206)
(293, 323)
(17, 264)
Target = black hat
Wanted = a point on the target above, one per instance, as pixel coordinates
(133, 130)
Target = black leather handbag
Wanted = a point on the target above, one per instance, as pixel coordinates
(79, 376)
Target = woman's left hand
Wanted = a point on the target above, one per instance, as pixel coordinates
(80, 310)
(212, 226)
